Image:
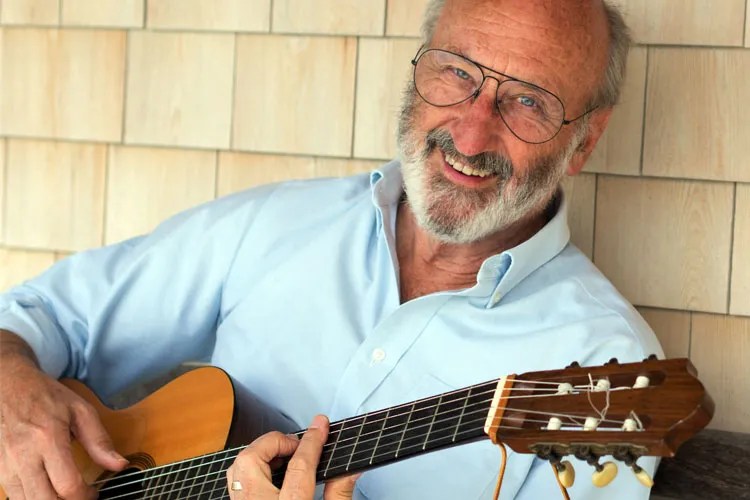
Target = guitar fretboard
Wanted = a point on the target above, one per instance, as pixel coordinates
(354, 445)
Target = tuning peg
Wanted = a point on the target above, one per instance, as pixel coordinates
(651, 357)
(629, 459)
(612, 361)
(574, 364)
(642, 476)
(565, 473)
(604, 474)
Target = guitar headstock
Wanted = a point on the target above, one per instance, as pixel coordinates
(625, 410)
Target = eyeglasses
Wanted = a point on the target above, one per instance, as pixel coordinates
(532, 114)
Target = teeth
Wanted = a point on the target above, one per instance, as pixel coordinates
(464, 169)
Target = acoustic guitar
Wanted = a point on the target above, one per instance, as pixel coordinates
(178, 449)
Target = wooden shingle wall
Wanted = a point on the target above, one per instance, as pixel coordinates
(115, 114)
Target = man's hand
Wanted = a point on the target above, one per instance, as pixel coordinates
(251, 471)
(38, 417)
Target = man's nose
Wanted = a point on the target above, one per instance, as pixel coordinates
(478, 126)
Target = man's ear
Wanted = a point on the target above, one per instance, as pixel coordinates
(597, 124)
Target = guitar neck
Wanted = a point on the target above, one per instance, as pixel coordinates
(392, 434)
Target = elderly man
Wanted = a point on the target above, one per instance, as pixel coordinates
(447, 268)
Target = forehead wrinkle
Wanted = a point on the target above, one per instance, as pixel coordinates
(551, 45)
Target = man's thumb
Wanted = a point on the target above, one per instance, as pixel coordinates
(342, 488)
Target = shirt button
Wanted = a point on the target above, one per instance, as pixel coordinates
(378, 355)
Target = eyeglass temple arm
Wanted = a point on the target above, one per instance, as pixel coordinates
(568, 122)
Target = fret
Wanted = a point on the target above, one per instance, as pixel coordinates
(461, 415)
(343, 448)
(194, 470)
(446, 420)
(366, 446)
(432, 422)
(176, 487)
(389, 436)
(416, 427)
(403, 432)
(156, 483)
(477, 407)
(356, 442)
(215, 481)
(335, 429)
(380, 435)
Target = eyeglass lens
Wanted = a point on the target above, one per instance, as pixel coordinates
(531, 113)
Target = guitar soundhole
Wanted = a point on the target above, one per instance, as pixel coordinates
(130, 483)
(126, 484)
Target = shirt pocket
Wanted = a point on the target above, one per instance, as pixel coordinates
(459, 472)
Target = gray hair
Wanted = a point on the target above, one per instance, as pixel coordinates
(608, 93)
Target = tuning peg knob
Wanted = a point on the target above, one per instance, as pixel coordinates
(565, 473)
(643, 476)
(574, 364)
(604, 474)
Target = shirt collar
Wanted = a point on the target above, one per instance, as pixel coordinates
(502, 272)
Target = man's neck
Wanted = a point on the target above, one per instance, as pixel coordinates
(427, 265)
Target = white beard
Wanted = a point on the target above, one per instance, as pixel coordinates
(456, 215)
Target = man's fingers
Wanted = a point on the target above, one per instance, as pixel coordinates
(36, 484)
(341, 488)
(251, 467)
(299, 481)
(89, 431)
(272, 445)
(64, 476)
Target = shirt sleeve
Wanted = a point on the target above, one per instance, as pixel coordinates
(132, 310)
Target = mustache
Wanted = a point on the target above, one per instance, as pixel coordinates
(489, 163)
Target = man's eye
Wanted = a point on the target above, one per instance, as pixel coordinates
(463, 75)
(527, 101)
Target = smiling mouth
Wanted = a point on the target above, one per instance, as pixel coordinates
(458, 166)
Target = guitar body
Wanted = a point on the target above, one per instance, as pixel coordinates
(190, 416)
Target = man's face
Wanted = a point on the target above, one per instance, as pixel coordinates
(466, 175)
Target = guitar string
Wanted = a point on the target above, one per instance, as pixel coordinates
(467, 390)
(572, 418)
(222, 470)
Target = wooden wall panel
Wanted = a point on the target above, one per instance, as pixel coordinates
(30, 12)
(672, 328)
(2, 191)
(66, 84)
(685, 22)
(109, 13)
(180, 89)
(619, 149)
(580, 193)
(303, 100)
(19, 265)
(697, 126)
(740, 294)
(239, 171)
(348, 17)
(404, 17)
(384, 69)
(147, 185)
(665, 243)
(216, 15)
(720, 349)
(55, 195)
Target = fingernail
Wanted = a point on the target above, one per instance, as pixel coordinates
(355, 477)
(318, 421)
(118, 457)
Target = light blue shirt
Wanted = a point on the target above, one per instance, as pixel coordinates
(293, 290)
